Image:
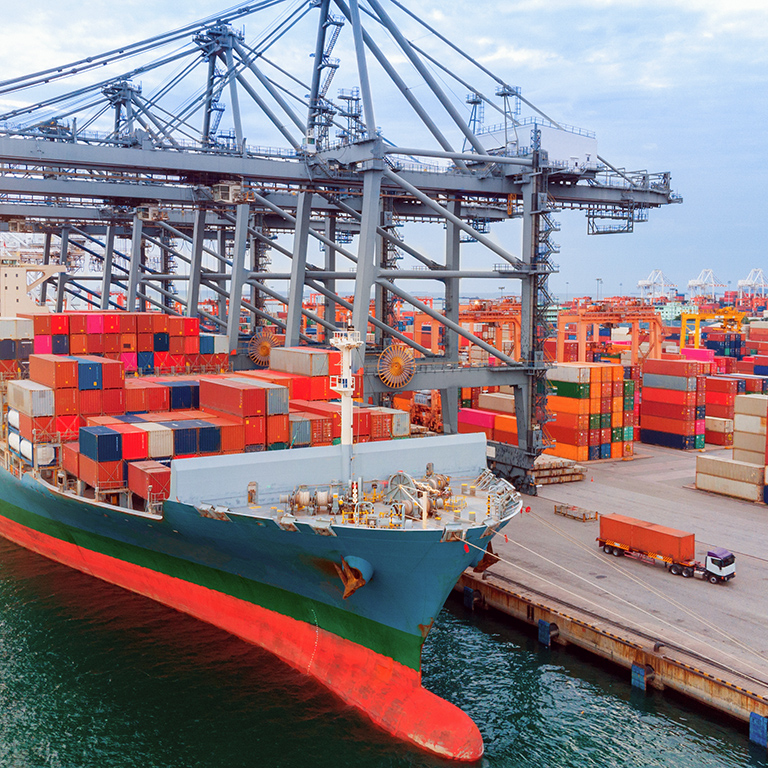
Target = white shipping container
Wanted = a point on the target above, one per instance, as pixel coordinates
(31, 398)
(576, 373)
(733, 488)
(16, 328)
(507, 389)
(160, 439)
(713, 424)
(300, 360)
(730, 470)
(750, 457)
(749, 442)
(751, 405)
(493, 401)
(754, 425)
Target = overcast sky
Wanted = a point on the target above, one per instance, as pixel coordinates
(670, 85)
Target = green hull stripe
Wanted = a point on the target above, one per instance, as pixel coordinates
(396, 644)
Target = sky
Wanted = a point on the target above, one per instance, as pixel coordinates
(666, 85)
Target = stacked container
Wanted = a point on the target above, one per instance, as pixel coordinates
(16, 344)
(672, 412)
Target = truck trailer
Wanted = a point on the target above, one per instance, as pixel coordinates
(676, 550)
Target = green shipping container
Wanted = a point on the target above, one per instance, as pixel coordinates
(629, 434)
(594, 421)
(605, 421)
(629, 387)
(698, 442)
(570, 389)
(617, 435)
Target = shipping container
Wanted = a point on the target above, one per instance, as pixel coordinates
(135, 441)
(238, 397)
(727, 487)
(31, 398)
(104, 475)
(160, 443)
(70, 458)
(645, 537)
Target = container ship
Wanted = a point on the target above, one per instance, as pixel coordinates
(249, 500)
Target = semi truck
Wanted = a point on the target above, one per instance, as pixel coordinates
(676, 550)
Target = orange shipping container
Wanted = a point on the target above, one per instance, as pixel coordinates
(557, 404)
(572, 452)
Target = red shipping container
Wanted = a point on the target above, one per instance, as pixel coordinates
(37, 429)
(65, 402)
(70, 458)
(278, 429)
(718, 438)
(668, 411)
(617, 389)
(191, 343)
(78, 345)
(41, 323)
(322, 428)
(149, 479)
(605, 436)
(671, 426)
(191, 326)
(720, 411)
(68, 427)
(502, 436)
(647, 537)
(176, 345)
(111, 323)
(255, 430)
(90, 402)
(235, 397)
(112, 401)
(77, 324)
(105, 475)
(59, 325)
(719, 398)
(672, 367)
(145, 322)
(593, 438)
(135, 441)
(128, 342)
(606, 404)
(578, 421)
(465, 428)
(159, 322)
(320, 388)
(145, 342)
(606, 390)
(381, 425)
(55, 371)
(629, 418)
(127, 322)
(669, 396)
(717, 384)
(175, 326)
(95, 343)
(576, 437)
(177, 362)
(101, 421)
(111, 342)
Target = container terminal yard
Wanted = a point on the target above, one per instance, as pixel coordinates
(166, 329)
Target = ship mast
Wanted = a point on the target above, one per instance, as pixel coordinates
(344, 385)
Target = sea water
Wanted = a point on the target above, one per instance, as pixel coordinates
(94, 676)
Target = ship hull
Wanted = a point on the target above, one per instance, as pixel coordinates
(372, 665)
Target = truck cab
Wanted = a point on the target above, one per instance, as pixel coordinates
(720, 565)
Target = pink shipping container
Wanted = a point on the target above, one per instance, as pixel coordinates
(130, 361)
(477, 417)
(43, 345)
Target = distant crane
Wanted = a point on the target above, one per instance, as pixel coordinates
(755, 284)
(705, 284)
(656, 286)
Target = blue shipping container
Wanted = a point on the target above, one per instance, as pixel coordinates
(24, 348)
(7, 349)
(184, 395)
(101, 444)
(184, 437)
(88, 375)
(161, 342)
(667, 439)
(60, 344)
(208, 436)
(145, 362)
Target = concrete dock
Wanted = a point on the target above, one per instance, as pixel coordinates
(709, 642)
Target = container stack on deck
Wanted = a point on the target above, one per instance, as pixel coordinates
(672, 410)
(593, 411)
(117, 435)
(743, 476)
